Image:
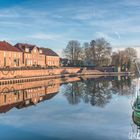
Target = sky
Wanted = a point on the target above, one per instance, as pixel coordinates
(52, 23)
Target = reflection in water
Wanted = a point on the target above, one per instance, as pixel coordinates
(97, 92)
(28, 94)
(71, 113)
(26, 97)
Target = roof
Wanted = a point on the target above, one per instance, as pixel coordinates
(8, 107)
(22, 46)
(45, 51)
(5, 46)
(48, 52)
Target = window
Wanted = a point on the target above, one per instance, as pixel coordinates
(40, 51)
(15, 62)
(18, 96)
(4, 54)
(26, 49)
(4, 61)
(26, 62)
(4, 98)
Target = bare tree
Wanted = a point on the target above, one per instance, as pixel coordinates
(87, 55)
(97, 52)
(102, 51)
(124, 57)
(73, 51)
(92, 50)
(131, 52)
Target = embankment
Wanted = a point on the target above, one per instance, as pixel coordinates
(10, 76)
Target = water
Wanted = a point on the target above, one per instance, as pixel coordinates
(68, 109)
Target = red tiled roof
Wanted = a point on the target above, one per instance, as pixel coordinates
(5, 46)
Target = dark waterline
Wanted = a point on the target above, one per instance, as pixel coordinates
(93, 109)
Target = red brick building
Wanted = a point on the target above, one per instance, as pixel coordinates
(10, 56)
(22, 55)
(36, 56)
(32, 55)
(51, 58)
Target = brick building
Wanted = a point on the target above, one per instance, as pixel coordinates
(32, 55)
(35, 56)
(23, 54)
(51, 58)
(10, 56)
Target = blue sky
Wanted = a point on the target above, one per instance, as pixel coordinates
(52, 23)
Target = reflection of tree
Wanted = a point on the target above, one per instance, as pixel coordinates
(73, 92)
(96, 92)
(123, 86)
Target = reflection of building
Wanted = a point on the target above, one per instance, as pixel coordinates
(30, 93)
(26, 97)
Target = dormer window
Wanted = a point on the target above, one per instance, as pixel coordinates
(26, 49)
(40, 51)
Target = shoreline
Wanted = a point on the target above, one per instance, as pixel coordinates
(21, 76)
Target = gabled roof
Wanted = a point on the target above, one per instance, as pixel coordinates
(48, 52)
(45, 51)
(5, 46)
(23, 46)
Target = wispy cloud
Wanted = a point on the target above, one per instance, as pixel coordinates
(117, 21)
(43, 36)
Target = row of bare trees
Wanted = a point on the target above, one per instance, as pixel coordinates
(124, 57)
(97, 53)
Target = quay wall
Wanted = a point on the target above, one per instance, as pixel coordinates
(4, 74)
(52, 73)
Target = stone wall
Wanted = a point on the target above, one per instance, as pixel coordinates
(38, 72)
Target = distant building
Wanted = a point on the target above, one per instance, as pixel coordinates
(10, 56)
(65, 62)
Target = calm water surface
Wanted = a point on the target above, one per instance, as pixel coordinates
(86, 109)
